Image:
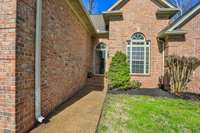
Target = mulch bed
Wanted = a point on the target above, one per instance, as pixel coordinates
(189, 96)
(157, 93)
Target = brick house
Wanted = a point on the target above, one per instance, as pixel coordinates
(47, 48)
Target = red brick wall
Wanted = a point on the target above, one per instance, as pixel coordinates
(66, 54)
(189, 47)
(66, 58)
(25, 60)
(7, 65)
(139, 16)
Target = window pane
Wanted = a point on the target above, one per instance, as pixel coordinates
(138, 53)
(128, 52)
(138, 36)
(138, 60)
(101, 46)
(137, 66)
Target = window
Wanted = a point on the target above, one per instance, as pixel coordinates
(138, 51)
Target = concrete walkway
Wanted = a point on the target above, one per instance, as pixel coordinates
(79, 115)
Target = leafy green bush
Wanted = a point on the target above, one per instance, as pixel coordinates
(180, 71)
(118, 74)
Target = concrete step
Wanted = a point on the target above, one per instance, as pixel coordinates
(96, 81)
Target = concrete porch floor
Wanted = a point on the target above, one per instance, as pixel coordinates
(78, 115)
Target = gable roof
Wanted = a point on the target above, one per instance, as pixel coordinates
(89, 22)
(181, 21)
(83, 16)
(163, 3)
(185, 18)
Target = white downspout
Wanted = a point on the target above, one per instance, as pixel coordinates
(163, 58)
(38, 34)
(163, 55)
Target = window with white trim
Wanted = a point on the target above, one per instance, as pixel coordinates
(138, 51)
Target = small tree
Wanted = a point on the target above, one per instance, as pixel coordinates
(180, 71)
(118, 74)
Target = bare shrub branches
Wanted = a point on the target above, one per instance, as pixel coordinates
(180, 71)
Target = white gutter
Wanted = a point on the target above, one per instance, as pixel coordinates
(182, 20)
(168, 4)
(163, 58)
(116, 4)
(163, 55)
(165, 2)
(38, 34)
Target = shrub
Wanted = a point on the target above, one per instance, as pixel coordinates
(180, 70)
(118, 74)
(134, 84)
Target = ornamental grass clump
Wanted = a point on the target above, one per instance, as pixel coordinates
(180, 70)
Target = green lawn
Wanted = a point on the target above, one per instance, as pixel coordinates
(142, 114)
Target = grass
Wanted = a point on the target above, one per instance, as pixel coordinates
(143, 114)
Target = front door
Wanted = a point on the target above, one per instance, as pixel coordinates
(100, 59)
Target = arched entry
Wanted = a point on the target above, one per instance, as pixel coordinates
(100, 57)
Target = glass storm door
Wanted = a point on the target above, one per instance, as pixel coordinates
(100, 59)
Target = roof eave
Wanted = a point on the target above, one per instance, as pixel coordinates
(117, 4)
(102, 34)
(165, 4)
(108, 14)
(166, 12)
(185, 18)
(79, 10)
(165, 34)
(162, 3)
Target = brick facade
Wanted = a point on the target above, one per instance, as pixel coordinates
(189, 46)
(66, 57)
(67, 54)
(139, 16)
(25, 70)
(7, 65)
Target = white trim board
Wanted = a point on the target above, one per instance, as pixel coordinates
(115, 4)
(167, 3)
(120, 1)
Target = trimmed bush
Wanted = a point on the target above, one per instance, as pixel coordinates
(180, 71)
(119, 73)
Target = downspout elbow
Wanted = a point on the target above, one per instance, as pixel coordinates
(40, 119)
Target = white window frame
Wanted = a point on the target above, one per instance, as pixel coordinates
(147, 44)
